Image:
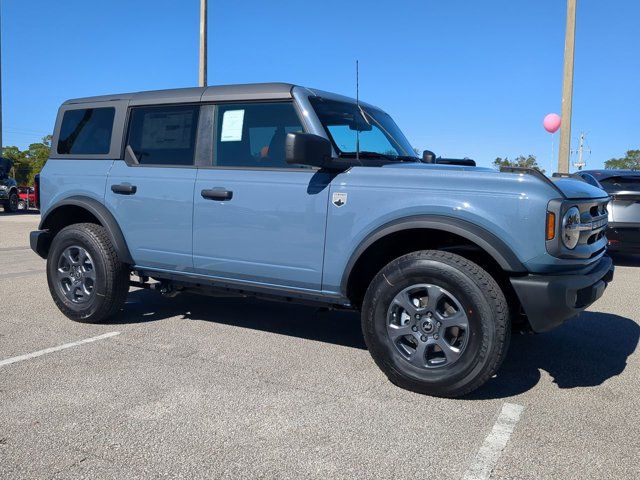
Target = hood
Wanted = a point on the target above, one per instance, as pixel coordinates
(571, 188)
(578, 189)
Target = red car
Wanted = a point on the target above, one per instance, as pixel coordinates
(27, 198)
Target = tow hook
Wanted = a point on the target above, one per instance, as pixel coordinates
(167, 290)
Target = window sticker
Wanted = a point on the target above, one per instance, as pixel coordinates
(166, 130)
(232, 122)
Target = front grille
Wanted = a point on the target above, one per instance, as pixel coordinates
(593, 219)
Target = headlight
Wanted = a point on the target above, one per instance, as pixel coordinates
(570, 228)
(3, 187)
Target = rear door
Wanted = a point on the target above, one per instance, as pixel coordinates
(257, 219)
(153, 200)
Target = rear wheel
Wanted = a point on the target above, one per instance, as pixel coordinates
(436, 323)
(86, 279)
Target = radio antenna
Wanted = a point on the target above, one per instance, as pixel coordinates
(358, 105)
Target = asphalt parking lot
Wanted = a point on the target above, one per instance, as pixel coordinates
(197, 387)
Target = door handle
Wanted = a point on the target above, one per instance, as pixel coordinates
(124, 189)
(218, 193)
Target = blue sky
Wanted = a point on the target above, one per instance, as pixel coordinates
(462, 78)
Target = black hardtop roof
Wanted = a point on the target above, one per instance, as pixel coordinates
(249, 91)
(219, 93)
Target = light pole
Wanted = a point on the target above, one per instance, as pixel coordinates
(567, 88)
(202, 73)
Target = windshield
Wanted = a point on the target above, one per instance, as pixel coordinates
(377, 132)
(616, 184)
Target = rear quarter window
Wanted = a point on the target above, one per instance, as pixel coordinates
(86, 131)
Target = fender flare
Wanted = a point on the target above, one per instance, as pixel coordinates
(104, 216)
(489, 242)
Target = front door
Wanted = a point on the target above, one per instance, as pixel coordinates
(153, 200)
(257, 219)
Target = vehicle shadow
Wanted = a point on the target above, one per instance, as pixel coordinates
(19, 213)
(625, 259)
(312, 323)
(583, 352)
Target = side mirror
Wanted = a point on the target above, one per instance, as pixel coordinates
(428, 157)
(308, 149)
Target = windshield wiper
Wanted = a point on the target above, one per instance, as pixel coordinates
(391, 158)
(407, 158)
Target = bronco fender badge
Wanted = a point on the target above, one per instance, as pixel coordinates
(339, 199)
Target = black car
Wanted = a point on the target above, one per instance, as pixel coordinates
(8, 188)
(624, 209)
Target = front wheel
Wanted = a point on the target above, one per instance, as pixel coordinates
(87, 281)
(436, 323)
(12, 203)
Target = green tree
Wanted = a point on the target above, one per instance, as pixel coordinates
(38, 154)
(529, 161)
(27, 163)
(17, 156)
(631, 161)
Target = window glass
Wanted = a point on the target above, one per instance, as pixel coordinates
(254, 134)
(164, 135)
(590, 180)
(350, 125)
(630, 183)
(86, 131)
(370, 141)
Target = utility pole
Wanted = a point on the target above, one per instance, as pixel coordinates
(580, 164)
(567, 88)
(202, 74)
(1, 144)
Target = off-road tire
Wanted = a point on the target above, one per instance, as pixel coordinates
(484, 304)
(112, 276)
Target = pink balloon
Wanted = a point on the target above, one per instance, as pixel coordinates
(552, 122)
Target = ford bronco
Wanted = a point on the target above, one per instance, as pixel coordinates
(292, 193)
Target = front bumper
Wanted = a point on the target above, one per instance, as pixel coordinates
(39, 240)
(549, 300)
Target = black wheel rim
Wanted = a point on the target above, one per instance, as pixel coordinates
(428, 326)
(76, 276)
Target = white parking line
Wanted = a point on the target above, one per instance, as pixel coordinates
(495, 442)
(20, 358)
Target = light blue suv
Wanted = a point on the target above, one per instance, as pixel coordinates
(296, 194)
